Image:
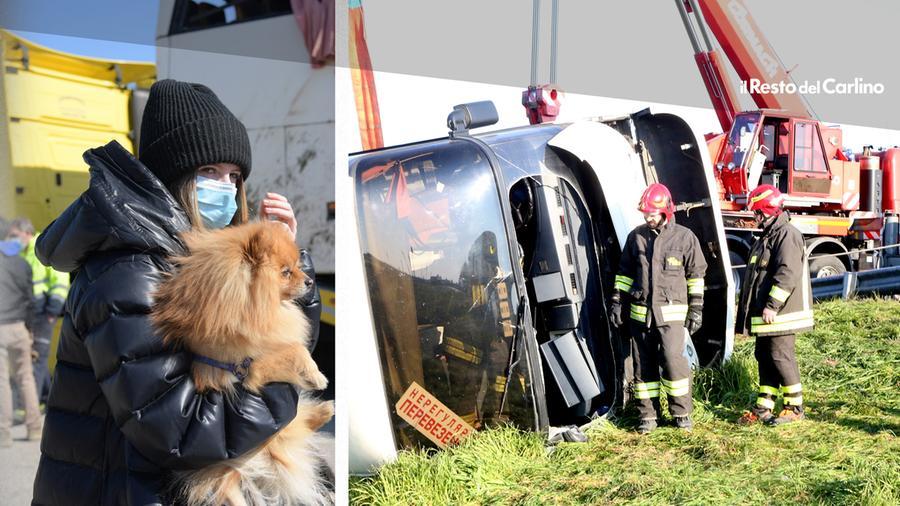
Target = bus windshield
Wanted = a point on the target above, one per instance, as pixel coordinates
(440, 281)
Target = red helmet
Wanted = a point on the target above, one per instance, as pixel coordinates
(657, 199)
(767, 199)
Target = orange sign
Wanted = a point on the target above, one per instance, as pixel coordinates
(430, 417)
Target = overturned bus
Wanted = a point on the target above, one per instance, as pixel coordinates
(488, 261)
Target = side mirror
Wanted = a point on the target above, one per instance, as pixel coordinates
(473, 115)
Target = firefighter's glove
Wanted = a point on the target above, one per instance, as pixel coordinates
(615, 311)
(694, 319)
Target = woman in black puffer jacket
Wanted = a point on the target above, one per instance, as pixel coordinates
(123, 410)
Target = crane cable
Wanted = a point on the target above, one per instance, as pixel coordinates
(837, 254)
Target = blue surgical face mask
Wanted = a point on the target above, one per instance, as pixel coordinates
(22, 242)
(216, 201)
(11, 247)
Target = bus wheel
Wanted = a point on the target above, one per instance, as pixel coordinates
(826, 265)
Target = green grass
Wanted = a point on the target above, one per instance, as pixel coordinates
(846, 452)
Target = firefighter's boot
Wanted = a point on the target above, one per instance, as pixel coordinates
(684, 423)
(756, 415)
(646, 426)
(789, 414)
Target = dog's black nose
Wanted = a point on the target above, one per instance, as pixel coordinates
(308, 283)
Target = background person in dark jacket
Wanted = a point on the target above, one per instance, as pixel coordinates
(15, 339)
(775, 304)
(123, 409)
(49, 289)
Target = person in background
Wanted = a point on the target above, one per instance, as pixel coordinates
(49, 292)
(15, 340)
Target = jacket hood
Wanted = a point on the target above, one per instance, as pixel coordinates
(124, 207)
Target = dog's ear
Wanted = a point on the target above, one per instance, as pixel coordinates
(255, 246)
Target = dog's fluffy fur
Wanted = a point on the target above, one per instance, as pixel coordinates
(228, 299)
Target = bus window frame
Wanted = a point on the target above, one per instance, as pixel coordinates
(180, 10)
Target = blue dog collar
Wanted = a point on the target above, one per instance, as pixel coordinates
(240, 370)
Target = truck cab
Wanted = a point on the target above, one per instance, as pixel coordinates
(798, 155)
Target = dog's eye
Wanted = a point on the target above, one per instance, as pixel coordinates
(286, 272)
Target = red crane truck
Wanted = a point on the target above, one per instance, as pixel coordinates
(840, 204)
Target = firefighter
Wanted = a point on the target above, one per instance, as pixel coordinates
(661, 273)
(50, 290)
(775, 304)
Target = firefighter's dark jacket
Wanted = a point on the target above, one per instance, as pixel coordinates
(123, 408)
(777, 277)
(661, 272)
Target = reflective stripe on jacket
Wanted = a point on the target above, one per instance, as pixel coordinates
(777, 278)
(50, 287)
(661, 271)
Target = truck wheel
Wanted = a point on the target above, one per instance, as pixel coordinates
(824, 266)
(737, 275)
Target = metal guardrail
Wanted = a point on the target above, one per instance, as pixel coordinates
(885, 281)
(828, 288)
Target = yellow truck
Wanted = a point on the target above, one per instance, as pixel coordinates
(53, 107)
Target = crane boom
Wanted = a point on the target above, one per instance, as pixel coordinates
(750, 53)
(721, 92)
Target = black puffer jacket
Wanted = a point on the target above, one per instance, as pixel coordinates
(123, 409)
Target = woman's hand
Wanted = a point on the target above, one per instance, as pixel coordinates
(276, 207)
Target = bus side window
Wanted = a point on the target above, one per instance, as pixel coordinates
(190, 15)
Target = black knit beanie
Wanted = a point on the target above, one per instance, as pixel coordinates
(186, 126)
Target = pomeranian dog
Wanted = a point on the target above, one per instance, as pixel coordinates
(230, 299)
